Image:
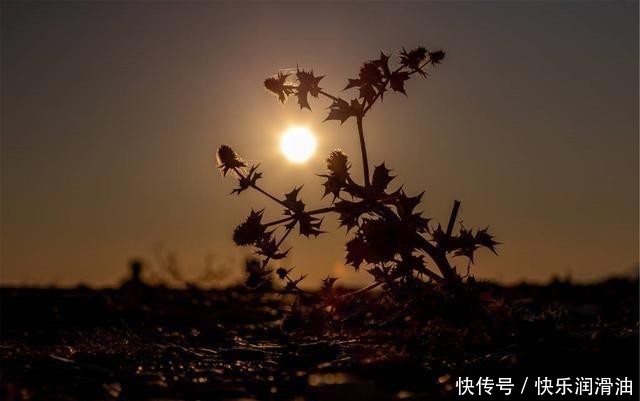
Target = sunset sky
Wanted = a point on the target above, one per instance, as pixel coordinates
(112, 112)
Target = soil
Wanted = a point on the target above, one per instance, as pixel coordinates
(144, 343)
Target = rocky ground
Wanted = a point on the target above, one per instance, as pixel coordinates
(146, 343)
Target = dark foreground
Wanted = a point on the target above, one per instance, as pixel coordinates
(160, 344)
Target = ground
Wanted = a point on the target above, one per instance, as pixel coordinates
(142, 343)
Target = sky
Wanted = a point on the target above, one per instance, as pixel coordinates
(111, 114)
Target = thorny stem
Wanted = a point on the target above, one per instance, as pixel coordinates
(288, 278)
(286, 219)
(284, 236)
(363, 149)
(362, 290)
(257, 188)
(438, 255)
(311, 213)
(269, 195)
(429, 273)
(280, 221)
(452, 218)
(393, 276)
(323, 93)
(359, 117)
(330, 96)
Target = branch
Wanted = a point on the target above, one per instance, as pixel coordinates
(439, 256)
(257, 188)
(452, 218)
(393, 276)
(330, 96)
(387, 82)
(363, 149)
(284, 236)
(311, 213)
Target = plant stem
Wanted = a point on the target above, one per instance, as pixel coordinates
(280, 221)
(452, 218)
(363, 149)
(284, 236)
(257, 188)
(438, 255)
(269, 195)
(330, 96)
(361, 290)
(431, 274)
(295, 286)
(311, 212)
(394, 276)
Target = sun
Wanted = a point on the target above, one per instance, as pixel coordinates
(298, 144)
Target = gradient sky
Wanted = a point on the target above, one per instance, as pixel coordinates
(111, 114)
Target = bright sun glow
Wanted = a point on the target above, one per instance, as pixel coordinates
(298, 144)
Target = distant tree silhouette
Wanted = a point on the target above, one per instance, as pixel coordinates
(396, 244)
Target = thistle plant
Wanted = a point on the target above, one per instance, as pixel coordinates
(396, 244)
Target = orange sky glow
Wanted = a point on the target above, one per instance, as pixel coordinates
(112, 112)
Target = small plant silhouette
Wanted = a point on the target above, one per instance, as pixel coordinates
(396, 244)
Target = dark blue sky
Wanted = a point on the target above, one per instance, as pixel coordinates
(111, 114)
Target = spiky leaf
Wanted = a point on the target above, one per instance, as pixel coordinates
(308, 84)
(380, 180)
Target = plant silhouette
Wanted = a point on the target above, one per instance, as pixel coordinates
(395, 243)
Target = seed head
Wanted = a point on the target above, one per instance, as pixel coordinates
(338, 164)
(414, 58)
(250, 231)
(436, 56)
(228, 159)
